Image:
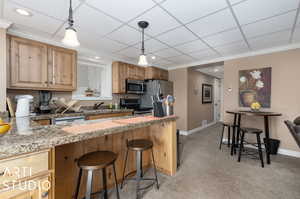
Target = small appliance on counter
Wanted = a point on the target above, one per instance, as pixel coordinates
(44, 102)
(23, 105)
(135, 104)
(169, 105)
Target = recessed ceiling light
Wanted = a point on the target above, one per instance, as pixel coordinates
(216, 70)
(23, 12)
(153, 57)
(97, 57)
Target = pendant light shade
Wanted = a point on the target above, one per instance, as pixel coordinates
(143, 59)
(70, 38)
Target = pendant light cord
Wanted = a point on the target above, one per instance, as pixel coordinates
(71, 21)
(143, 48)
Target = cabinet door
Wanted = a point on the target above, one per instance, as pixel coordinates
(61, 68)
(140, 72)
(28, 64)
(131, 74)
(119, 76)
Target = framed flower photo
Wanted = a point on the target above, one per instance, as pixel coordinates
(207, 90)
(255, 87)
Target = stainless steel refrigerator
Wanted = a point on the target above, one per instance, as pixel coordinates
(155, 88)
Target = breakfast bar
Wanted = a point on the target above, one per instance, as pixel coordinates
(51, 152)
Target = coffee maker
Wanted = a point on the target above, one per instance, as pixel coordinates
(44, 102)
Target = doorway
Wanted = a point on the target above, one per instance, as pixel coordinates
(218, 89)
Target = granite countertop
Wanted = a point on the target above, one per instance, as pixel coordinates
(28, 136)
(81, 113)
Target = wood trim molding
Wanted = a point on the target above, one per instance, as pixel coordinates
(189, 132)
(5, 24)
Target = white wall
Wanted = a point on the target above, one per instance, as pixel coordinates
(2, 69)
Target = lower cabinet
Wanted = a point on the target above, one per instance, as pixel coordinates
(28, 176)
(32, 189)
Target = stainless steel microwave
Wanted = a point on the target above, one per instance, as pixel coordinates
(135, 86)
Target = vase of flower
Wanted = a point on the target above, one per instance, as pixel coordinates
(248, 97)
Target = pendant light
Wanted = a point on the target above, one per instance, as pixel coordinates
(70, 38)
(143, 58)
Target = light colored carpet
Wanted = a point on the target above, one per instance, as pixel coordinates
(209, 173)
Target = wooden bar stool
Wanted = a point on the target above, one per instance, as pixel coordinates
(140, 145)
(228, 126)
(256, 132)
(96, 161)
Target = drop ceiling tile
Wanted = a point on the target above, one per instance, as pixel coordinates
(130, 52)
(273, 24)
(54, 8)
(100, 44)
(296, 37)
(126, 35)
(152, 45)
(181, 59)
(253, 10)
(18, 28)
(232, 49)
(159, 21)
(224, 37)
(195, 45)
(84, 21)
(232, 2)
(160, 62)
(36, 21)
(189, 10)
(178, 36)
(170, 52)
(213, 24)
(270, 40)
(204, 54)
(123, 10)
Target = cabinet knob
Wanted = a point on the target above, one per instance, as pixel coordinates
(45, 194)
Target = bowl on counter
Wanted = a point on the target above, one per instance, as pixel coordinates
(4, 127)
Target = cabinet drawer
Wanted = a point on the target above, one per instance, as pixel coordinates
(39, 189)
(16, 168)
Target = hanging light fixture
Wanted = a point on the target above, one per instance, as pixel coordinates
(143, 58)
(70, 38)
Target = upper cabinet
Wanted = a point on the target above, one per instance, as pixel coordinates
(38, 66)
(122, 71)
(61, 68)
(28, 64)
(156, 73)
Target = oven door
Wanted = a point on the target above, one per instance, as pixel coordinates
(135, 86)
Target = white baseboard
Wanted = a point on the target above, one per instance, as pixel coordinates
(289, 152)
(196, 129)
(281, 151)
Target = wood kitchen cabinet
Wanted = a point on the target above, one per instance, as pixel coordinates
(37, 66)
(35, 168)
(121, 72)
(61, 68)
(28, 64)
(119, 76)
(156, 73)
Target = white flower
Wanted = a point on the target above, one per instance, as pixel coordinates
(259, 84)
(256, 74)
(243, 79)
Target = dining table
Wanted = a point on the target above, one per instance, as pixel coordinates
(237, 124)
